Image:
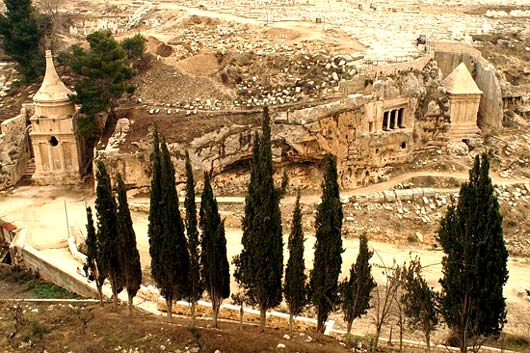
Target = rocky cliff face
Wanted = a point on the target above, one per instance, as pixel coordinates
(14, 151)
(349, 128)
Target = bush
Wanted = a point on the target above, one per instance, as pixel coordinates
(134, 46)
(50, 291)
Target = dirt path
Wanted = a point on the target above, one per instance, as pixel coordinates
(42, 211)
(314, 197)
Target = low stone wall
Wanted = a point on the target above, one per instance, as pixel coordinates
(29, 258)
(252, 316)
(456, 48)
(395, 195)
(393, 69)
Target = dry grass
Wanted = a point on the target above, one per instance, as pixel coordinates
(59, 328)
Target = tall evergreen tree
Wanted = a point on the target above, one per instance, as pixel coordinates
(419, 301)
(129, 256)
(328, 247)
(214, 263)
(295, 288)
(474, 265)
(259, 267)
(92, 254)
(107, 234)
(193, 238)
(174, 254)
(356, 291)
(21, 36)
(154, 230)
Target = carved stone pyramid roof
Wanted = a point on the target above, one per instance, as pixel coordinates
(52, 89)
(460, 81)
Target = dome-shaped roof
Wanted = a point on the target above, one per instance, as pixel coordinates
(52, 88)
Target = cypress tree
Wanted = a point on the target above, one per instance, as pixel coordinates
(294, 288)
(107, 234)
(154, 230)
(474, 265)
(167, 242)
(259, 267)
(129, 256)
(21, 35)
(214, 263)
(174, 255)
(92, 254)
(328, 247)
(356, 291)
(193, 238)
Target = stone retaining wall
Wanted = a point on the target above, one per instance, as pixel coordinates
(29, 258)
(393, 69)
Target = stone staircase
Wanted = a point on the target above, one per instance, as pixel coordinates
(28, 174)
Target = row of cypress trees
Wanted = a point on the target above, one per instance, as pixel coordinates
(111, 249)
(474, 266)
(183, 267)
(471, 301)
(259, 267)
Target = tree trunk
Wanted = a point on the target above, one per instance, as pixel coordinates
(99, 286)
(192, 310)
(169, 304)
(215, 307)
(100, 292)
(348, 328)
(262, 319)
(400, 334)
(114, 285)
(291, 316)
(376, 338)
(130, 303)
(428, 340)
(241, 312)
(320, 324)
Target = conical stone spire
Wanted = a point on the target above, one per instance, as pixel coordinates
(52, 99)
(52, 88)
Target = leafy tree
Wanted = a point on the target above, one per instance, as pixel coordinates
(168, 248)
(383, 298)
(129, 256)
(356, 291)
(294, 288)
(259, 267)
(419, 301)
(328, 247)
(107, 234)
(21, 35)
(134, 46)
(238, 298)
(92, 254)
(51, 22)
(106, 75)
(193, 238)
(214, 264)
(474, 265)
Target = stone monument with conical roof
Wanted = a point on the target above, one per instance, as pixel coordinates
(54, 137)
(464, 100)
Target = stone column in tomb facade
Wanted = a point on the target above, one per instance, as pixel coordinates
(56, 143)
